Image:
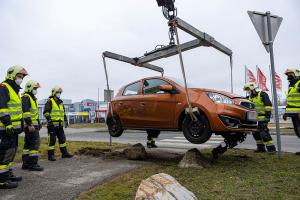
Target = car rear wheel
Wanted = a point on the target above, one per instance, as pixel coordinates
(196, 132)
(114, 125)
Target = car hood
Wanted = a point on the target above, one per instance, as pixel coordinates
(228, 94)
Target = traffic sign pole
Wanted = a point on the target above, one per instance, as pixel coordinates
(274, 83)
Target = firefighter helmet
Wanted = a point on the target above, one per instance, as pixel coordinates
(293, 70)
(250, 86)
(14, 70)
(30, 85)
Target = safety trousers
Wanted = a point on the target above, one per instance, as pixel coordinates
(8, 150)
(296, 124)
(31, 147)
(60, 134)
(262, 137)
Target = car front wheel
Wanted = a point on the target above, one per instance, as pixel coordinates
(196, 131)
(114, 125)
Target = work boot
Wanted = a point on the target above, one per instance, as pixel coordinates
(51, 156)
(151, 144)
(65, 153)
(260, 148)
(14, 178)
(8, 185)
(24, 159)
(271, 149)
(218, 150)
(35, 167)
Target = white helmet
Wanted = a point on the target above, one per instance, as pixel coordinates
(250, 86)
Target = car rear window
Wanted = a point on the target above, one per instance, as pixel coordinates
(131, 89)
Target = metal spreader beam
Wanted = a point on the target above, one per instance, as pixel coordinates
(203, 39)
(132, 61)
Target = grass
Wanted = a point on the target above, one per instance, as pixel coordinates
(73, 147)
(239, 174)
(88, 125)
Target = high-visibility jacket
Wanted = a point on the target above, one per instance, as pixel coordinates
(34, 111)
(57, 113)
(293, 99)
(260, 106)
(14, 109)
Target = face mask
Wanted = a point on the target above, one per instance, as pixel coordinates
(58, 95)
(18, 81)
(34, 92)
(290, 77)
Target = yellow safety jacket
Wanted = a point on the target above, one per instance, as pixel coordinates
(260, 107)
(14, 109)
(34, 111)
(57, 113)
(293, 99)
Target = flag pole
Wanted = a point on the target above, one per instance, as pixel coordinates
(257, 80)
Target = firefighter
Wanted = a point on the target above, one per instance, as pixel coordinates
(11, 124)
(32, 127)
(151, 135)
(293, 99)
(54, 112)
(263, 107)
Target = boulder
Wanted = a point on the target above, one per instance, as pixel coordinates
(163, 187)
(193, 158)
(135, 152)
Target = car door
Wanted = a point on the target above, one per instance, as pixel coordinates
(127, 105)
(156, 108)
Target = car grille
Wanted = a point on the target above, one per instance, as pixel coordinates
(248, 105)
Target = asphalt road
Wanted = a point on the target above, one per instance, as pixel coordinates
(170, 140)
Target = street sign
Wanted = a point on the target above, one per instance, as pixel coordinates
(259, 21)
(108, 95)
(267, 26)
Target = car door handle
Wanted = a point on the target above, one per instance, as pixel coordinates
(142, 104)
(120, 103)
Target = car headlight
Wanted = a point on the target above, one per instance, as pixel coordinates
(219, 98)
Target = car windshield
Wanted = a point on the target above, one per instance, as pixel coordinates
(181, 82)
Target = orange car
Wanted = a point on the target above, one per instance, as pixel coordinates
(159, 103)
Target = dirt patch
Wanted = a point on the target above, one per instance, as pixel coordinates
(106, 153)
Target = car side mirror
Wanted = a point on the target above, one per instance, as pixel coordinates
(167, 88)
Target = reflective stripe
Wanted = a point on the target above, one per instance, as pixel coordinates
(4, 168)
(51, 147)
(269, 142)
(25, 151)
(14, 126)
(10, 164)
(57, 112)
(63, 145)
(14, 105)
(4, 114)
(33, 152)
(259, 142)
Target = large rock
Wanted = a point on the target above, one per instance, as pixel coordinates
(193, 158)
(136, 152)
(163, 187)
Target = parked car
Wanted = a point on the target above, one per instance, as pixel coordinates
(159, 103)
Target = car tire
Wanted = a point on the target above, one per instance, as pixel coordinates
(196, 132)
(114, 125)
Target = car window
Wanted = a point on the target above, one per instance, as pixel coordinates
(151, 86)
(131, 89)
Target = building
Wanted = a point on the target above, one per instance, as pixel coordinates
(86, 111)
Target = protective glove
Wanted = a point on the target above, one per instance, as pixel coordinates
(31, 129)
(66, 124)
(284, 116)
(50, 125)
(9, 130)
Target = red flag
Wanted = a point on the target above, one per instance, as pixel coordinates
(250, 76)
(262, 80)
(278, 81)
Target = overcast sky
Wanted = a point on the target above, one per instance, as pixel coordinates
(60, 41)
